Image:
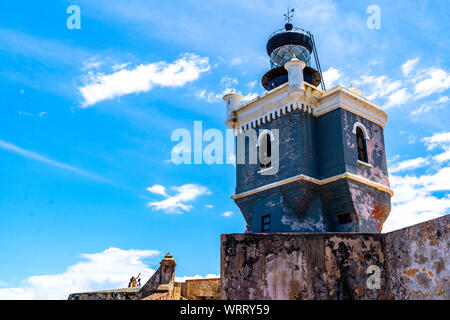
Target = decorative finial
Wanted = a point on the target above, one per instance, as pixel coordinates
(354, 90)
(289, 15)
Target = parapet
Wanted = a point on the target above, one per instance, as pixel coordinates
(405, 264)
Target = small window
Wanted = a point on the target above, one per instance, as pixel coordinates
(265, 150)
(344, 218)
(361, 145)
(265, 225)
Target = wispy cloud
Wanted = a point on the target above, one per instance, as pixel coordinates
(157, 189)
(38, 157)
(32, 115)
(396, 92)
(331, 77)
(381, 86)
(213, 97)
(431, 80)
(238, 60)
(409, 164)
(178, 202)
(440, 103)
(143, 78)
(110, 269)
(408, 66)
(438, 139)
(227, 214)
(229, 81)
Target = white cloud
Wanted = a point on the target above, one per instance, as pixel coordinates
(414, 201)
(418, 198)
(436, 80)
(331, 76)
(209, 97)
(408, 66)
(101, 87)
(444, 156)
(32, 115)
(249, 96)
(443, 100)
(209, 206)
(37, 157)
(227, 214)
(437, 139)
(158, 189)
(422, 109)
(409, 164)
(228, 82)
(425, 82)
(440, 103)
(90, 64)
(178, 202)
(397, 98)
(121, 66)
(110, 269)
(380, 86)
(238, 61)
(212, 97)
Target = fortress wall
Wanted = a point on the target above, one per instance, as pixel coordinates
(337, 265)
(116, 294)
(300, 266)
(201, 289)
(419, 260)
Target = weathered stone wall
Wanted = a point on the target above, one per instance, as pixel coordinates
(336, 265)
(116, 294)
(201, 289)
(300, 266)
(419, 260)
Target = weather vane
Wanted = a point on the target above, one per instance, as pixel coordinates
(289, 15)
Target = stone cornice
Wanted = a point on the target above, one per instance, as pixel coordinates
(281, 100)
(345, 175)
(273, 104)
(339, 97)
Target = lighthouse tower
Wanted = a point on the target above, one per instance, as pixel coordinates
(330, 172)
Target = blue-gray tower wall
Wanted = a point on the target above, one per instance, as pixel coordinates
(318, 147)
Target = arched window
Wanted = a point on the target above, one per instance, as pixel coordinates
(265, 149)
(361, 145)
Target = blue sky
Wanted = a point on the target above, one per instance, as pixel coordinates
(88, 195)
